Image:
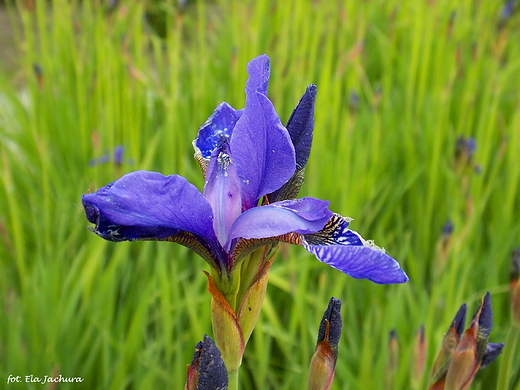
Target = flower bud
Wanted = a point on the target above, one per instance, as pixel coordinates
(419, 358)
(393, 359)
(207, 370)
(449, 344)
(323, 362)
(458, 366)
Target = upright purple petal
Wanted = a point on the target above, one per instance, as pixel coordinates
(145, 205)
(259, 71)
(219, 125)
(305, 215)
(260, 144)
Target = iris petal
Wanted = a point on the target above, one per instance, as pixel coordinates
(220, 124)
(360, 262)
(148, 205)
(305, 215)
(260, 144)
(347, 251)
(222, 191)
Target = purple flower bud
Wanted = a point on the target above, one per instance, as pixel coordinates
(353, 103)
(447, 229)
(118, 154)
(506, 12)
(462, 356)
(323, 363)
(331, 324)
(207, 370)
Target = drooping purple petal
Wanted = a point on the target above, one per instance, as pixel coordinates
(222, 191)
(493, 350)
(146, 205)
(360, 262)
(219, 125)
(347, 251)
(305, 215)
(260, 144)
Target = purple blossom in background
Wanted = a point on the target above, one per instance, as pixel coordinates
(506, 12)
(117, 157)
(253, 168)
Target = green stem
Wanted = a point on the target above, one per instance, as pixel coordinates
(504, 375)
(233, 380)
(229, 286)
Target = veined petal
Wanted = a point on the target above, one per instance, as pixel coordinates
(348, 252)
(222, 191)
(305, 215)
(219, 125)
(148, 205)
(260, 144)
(360, 262)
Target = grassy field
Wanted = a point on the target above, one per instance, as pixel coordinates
(398, 84)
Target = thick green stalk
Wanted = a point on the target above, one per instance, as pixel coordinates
(233, 380)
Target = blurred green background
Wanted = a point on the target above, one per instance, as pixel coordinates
(398, 84)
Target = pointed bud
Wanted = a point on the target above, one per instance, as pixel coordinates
(449, 344)
(471, 349)
(484, 319)
(473, 352)
(207, 370)
(323, 363)
(300, 127)
(393, 359)
(515, 288)
(419, 358)
(465, 363)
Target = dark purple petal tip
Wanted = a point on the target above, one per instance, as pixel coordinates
(212, 373)
(459, 320)
(301, 125)
(332, 317)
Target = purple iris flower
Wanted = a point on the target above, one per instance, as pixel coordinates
(253, 168)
